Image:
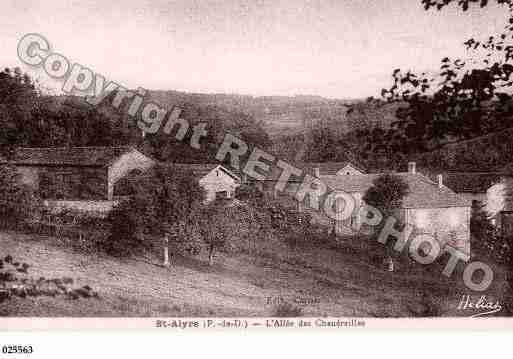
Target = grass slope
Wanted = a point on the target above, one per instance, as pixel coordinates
(342, 282)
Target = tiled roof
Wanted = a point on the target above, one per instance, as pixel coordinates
(275, 172)
(198, 169)
(473, 182)
(331, 168)
(423, 192)
(325, 168)
(467, 181)
(72, 156)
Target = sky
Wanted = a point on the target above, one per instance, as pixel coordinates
(331, 48)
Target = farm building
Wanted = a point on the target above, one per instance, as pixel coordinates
(95, 176)
(492, 191)
(77, 174)
(334, 168)
(499, 204)
(430, 206)
(217, 180)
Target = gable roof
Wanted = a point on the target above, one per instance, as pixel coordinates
(470, 182)
(326, 168)
(331, 168)
(467, 181)
(423, 192)
(97, 156)
(200, 170)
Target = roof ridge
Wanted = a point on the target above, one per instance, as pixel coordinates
(69, 147)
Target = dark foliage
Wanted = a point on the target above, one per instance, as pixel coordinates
(18, 204)
(124, 238)
(386, 193)
(15, 282)
(287, 310)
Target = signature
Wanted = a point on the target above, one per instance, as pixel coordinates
(482, 304)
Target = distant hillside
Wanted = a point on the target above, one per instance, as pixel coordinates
(289, 115)
(492, 152)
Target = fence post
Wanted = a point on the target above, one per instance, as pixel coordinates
(166, 250)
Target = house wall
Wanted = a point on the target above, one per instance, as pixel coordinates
(66, 182)
(287, 198)
(125, 164)
(448, 225)
(344, 224)
(349, 170)
(29, 176)
(499, 199)
(95, 208)
(218, 181)
(470, 196)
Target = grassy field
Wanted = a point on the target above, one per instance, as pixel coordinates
(346, 281)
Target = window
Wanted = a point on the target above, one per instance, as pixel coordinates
(507, 222)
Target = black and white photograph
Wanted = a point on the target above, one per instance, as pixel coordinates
(251, 164)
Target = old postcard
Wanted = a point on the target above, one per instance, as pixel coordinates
(243, 165)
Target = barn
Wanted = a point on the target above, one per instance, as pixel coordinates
(430, 206)
(76, 173)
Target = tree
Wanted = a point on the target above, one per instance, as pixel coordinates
(18, 202)
(232, 226)
(481, 226)
(486, 237)
(386, 194)
(123, 225)
(250, 194)
(214, 228)
(466, 98)
(18, 100)
(167, 202)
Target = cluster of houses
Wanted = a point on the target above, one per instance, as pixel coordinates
(89, 178)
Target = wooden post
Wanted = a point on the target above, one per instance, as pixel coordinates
(166, 250)
(211, 255)
(390, 264)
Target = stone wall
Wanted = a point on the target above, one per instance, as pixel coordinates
(448, 225)
(217, 182)
(66, 182)
(98, 209)
(124, 165)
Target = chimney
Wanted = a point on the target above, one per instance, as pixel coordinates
(412, 167)
(440, 180)
(317, 172)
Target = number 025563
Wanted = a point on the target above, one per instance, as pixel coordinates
(17, 349)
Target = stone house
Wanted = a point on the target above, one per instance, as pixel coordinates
(291, 186)
(430, 206)
(499, 204)
(317, 169)
(492, 191)
(77, 176)
(472, 186)
(217, 180)
(94, 177)
(334, 168)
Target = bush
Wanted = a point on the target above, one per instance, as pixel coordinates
(486, 238)
(18, 204)
(12, 285)
(427, 305)
(287, 309)
(124, 234)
